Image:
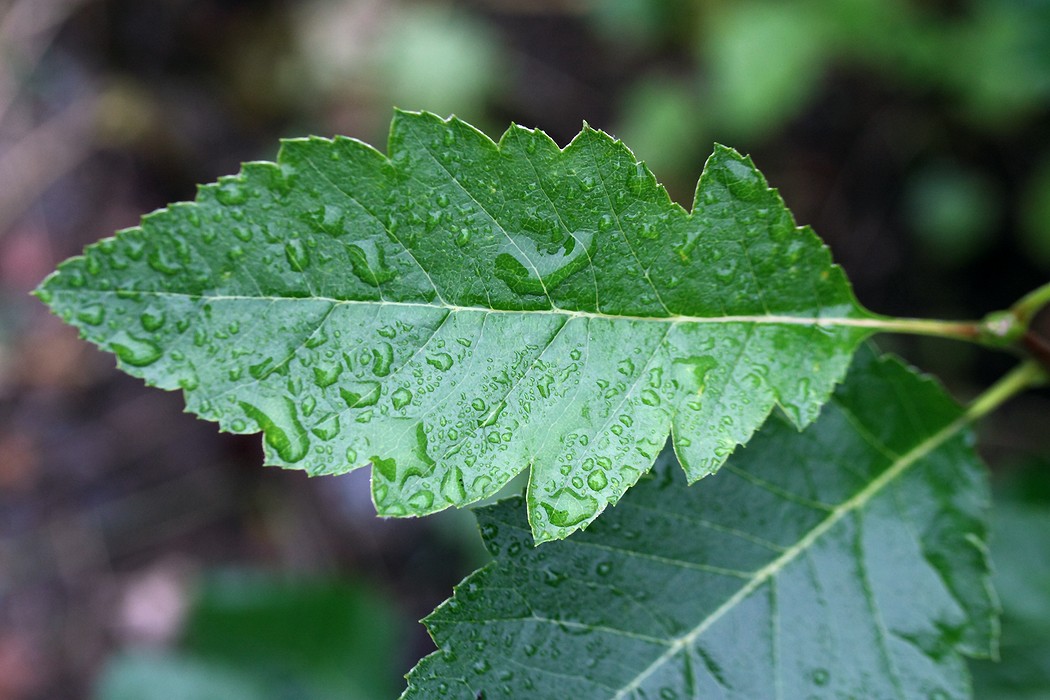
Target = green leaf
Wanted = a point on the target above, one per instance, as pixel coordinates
(251, 636)
(463, 310)
(844, 562)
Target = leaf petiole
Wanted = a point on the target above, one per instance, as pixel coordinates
(970, 331)
(1030, 304)
(1000, 329)
(1027, 375)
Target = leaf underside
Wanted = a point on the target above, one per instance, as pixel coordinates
(844, 562)
(462, 310)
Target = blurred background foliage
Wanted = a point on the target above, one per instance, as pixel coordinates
(142, 555)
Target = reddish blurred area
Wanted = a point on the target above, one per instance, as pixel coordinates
(112, 501)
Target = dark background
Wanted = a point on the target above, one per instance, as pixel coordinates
(141, 550)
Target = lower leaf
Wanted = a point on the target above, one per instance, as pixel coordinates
(845, 561)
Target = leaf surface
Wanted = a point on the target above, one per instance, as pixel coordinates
(847, 561)
(463, 310)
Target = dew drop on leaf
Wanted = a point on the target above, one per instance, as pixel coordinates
(231, 193)
(152, 321)
(297, 255)
(567, 508)
(360, 394)
(452, 485)
(401, 398)
(135, 351)
(279, 422)
(383, 358)
(442, 361)
(92, 315)
(328, 428)
(326, 376)
(597, 480)
(480, 485)
(421, 500)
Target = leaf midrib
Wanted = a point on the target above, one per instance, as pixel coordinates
(765, 319)
(855, 502)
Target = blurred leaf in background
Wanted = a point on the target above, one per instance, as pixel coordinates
(662, 122)
(252, 636)
(952, 210)
(764, 61)
(440, 60)
(1020, 542)
(414, 56)
(1035, 214)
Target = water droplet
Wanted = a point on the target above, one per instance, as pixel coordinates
(401, 398)
(697, 368)
(189, 382)
(92, 315)
(370, 269)
(443, 361)
(535, 266)
(821, 676)
(231, 193)
(668, 694)
(327, 428)
(238, 426)
(327, 219)
(726, 269)
(327, 376)
(152, 321)
(493, 415)
(743, 180)
(421, 500)
(297, 255)
(478, 404)
(725, 447)
(650, 397)
(597, 480)
(360, 394)
(480, 485)
(605, 223)
(567, 508)
(383, 358)
(160, 260)
(452, 487)
(134, 351)
(387, 468)
(279, 421)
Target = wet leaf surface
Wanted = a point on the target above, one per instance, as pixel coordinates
(463, 310)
